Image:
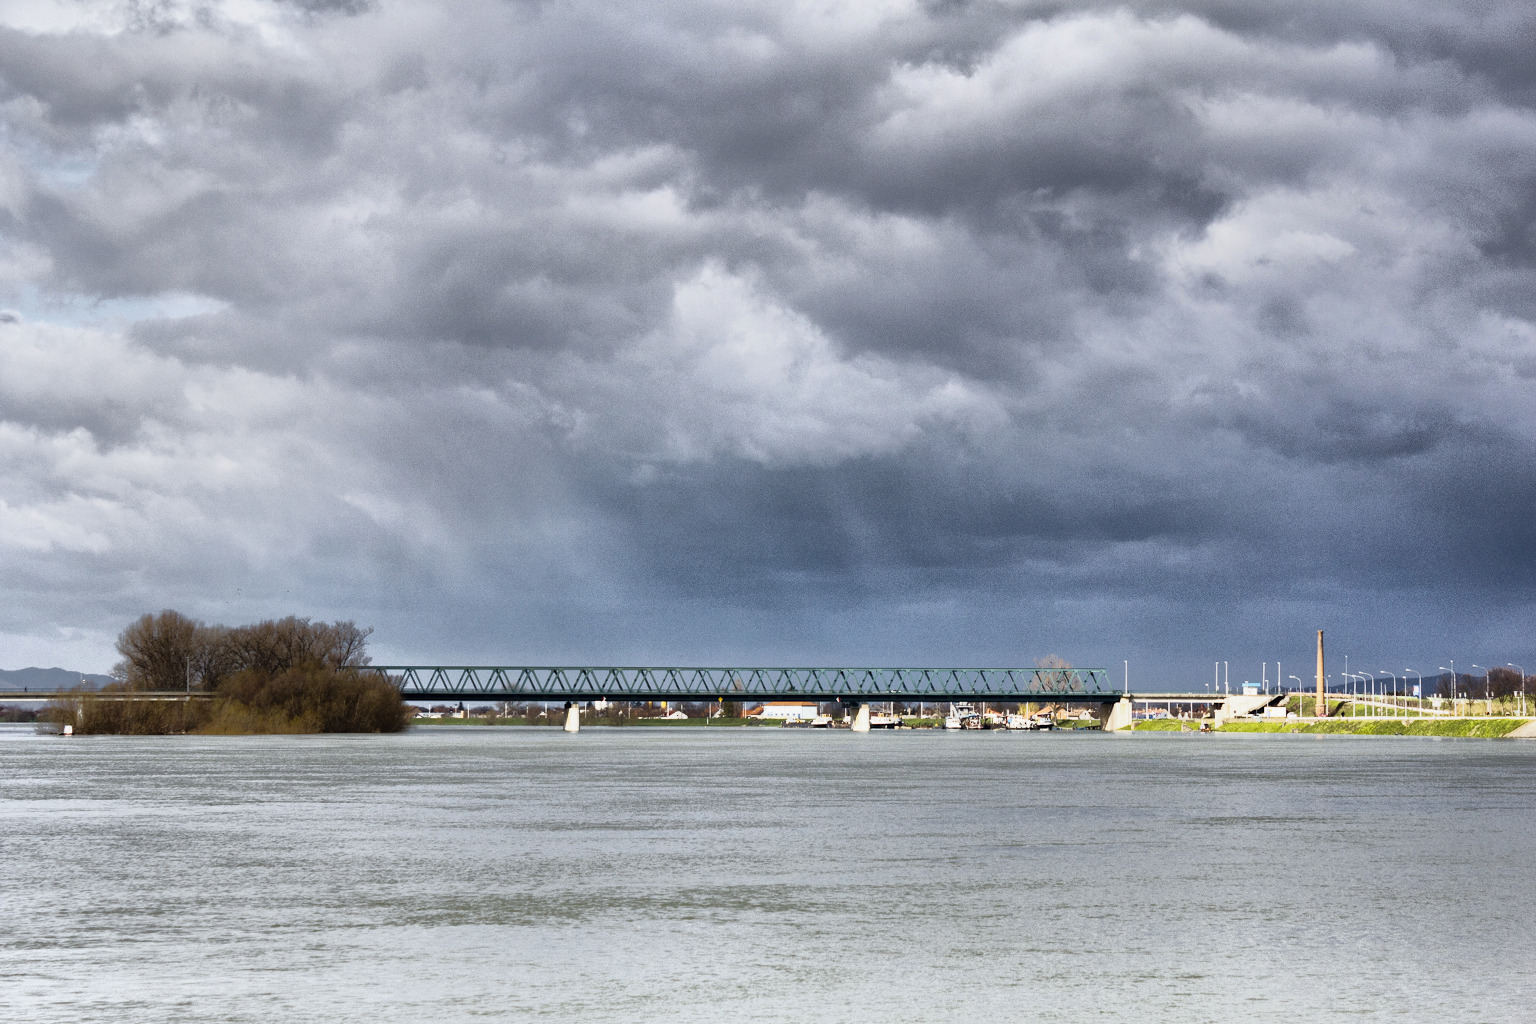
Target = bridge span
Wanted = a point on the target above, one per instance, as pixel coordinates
(854, 687)
(849, 685)
(590, 683)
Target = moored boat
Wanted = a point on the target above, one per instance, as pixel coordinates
(962, 716)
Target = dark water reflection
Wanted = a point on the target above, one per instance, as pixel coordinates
(707, 875)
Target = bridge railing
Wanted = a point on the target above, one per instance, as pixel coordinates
(678, 683)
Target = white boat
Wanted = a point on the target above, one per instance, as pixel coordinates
(958, 716)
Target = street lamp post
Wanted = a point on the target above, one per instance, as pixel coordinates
(1420, 686)
(1452, 671)
(1487, 688)
(1372, 707)
(1389, 672)
(1511, 664)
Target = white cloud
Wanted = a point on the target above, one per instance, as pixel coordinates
(499, 307)
(736, 374)
(68, 525)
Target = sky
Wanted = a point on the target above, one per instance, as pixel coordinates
(734, 332)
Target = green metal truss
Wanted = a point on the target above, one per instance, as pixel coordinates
(527, 683)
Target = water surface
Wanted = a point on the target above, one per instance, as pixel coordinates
(705, 875)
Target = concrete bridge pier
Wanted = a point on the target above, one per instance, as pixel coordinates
(572, 716)
(1245, 705)
(860, 718)
(1119, 716)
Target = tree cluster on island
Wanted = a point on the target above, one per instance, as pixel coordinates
(287, 675)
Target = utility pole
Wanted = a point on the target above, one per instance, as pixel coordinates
(1321, 709)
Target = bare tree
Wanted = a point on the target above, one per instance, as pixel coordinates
(275, 646)
(345, 644)
(1055, 675)
(157, 650)
(214, 658)
(166, 651)
(1503, 682)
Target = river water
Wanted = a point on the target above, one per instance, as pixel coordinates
(456, 874)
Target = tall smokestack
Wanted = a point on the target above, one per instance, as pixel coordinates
(1321, 710)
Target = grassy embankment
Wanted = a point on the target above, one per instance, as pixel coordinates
(1471, 728)
(1166, 725)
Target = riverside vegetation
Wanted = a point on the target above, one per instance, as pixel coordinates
(277, 676)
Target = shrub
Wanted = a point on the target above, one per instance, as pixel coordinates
(98, 714)
(308, 698)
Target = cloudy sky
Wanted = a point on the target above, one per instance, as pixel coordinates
(879, 332)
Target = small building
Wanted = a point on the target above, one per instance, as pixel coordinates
(784, 709)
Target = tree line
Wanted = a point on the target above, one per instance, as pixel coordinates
(1495, 684)
(170, 651)
(277, 675)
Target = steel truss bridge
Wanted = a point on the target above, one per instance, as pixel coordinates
(849, 685)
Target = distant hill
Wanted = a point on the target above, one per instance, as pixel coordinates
(48, 679)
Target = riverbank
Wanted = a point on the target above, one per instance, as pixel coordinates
(1467, 728)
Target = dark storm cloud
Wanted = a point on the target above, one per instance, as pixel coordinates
(689, 330)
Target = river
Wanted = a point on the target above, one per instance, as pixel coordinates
(457, 874)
